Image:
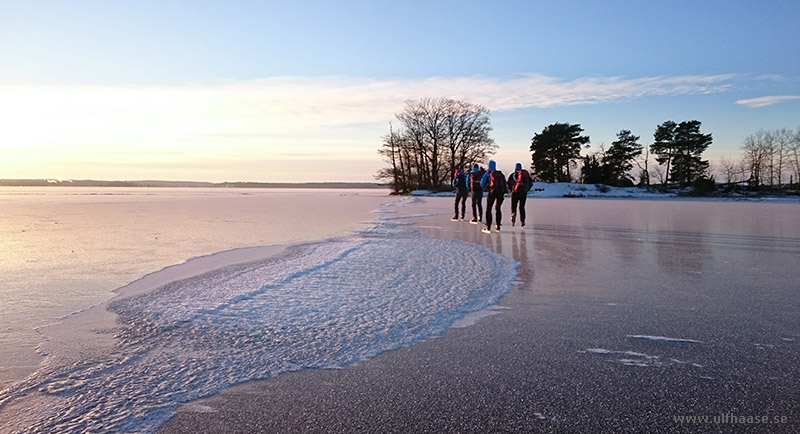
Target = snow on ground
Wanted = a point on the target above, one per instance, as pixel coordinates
(571, 189)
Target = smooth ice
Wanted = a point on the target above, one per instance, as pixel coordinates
(64, 249)
(321, 305)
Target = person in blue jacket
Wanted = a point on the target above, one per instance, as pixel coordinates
(460, 184)
(494, 183)
(474, 185)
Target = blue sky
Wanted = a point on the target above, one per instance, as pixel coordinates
(304, 90)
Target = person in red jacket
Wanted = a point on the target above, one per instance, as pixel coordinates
(519, 183)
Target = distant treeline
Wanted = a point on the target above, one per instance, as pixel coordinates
(182, 184)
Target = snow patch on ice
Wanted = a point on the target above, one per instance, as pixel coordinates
(473, 318)
(664, 339)
(635, 362)
(599, 351)
(635, 358)
(198, 408)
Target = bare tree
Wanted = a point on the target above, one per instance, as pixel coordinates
(660, 174)
(437, 136)
(769, 158)
(794, 156)
(467, 127)
(642, 162)
(393, 150)
(768, 155)
(729, 170)
(782, 149)
(755, 157)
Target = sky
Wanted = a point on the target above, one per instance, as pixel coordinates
(302, 91)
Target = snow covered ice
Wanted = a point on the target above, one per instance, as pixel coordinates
(321, 305)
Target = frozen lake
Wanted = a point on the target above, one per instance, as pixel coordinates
(64, 249)
(630, 284)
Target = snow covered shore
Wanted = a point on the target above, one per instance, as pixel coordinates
(571, 189)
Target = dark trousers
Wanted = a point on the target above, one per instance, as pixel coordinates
(518, 199)
(462, 197)
(477, 205)
(496, 201)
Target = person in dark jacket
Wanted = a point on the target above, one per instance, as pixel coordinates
(519, 183)
(474, 184)
(460, 184)
(494, 182)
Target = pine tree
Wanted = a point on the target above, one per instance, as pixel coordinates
(664, 145)
(554, 150)
(690, 144)
(617, 160)
(680, 146)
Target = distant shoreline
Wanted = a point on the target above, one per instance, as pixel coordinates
(183, 184)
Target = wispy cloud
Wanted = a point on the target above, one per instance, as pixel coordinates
(285, 109)
(280, 103)
(764, 101)
(342, 99)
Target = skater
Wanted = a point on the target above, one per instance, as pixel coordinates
(474, 184)
(494, 182)
(519, 183)
(460, 184)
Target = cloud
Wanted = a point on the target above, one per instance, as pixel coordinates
(284, 110)
(346, 99)
(764, 101)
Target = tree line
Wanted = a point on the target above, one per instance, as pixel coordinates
(436, 137)
(677, 148)
(770, 159)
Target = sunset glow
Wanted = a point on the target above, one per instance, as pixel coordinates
(259, 119)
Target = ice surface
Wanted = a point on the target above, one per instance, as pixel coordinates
(321, 305)
(65, 249)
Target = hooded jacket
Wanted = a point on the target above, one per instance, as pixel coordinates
(486, 181)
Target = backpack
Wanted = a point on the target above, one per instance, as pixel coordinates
(475, 177)
(523, 182)
(460, 182)
(497, 184)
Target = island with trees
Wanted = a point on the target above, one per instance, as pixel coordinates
(437, 136)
